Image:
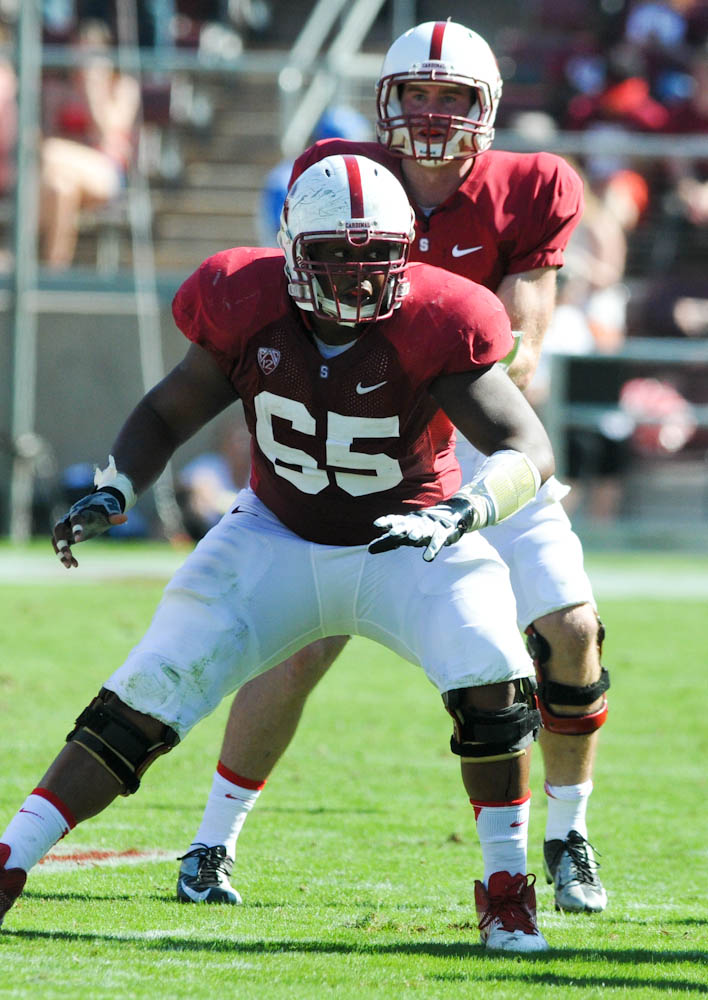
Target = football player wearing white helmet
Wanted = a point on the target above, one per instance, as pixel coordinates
(351, 400)
(501, 219)
(461, 66)
(359, 279)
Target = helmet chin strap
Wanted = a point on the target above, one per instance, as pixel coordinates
(347, 315)
(438, 151)
(430, 164)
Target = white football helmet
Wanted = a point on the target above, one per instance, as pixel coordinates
(355, 200)
(438, 52)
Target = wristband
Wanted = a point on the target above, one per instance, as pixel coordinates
(508, 359)
(505, 483)
(117, 480)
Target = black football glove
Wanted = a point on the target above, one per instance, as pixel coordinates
(88, 517)
(91, 515)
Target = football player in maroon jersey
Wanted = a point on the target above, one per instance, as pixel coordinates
(353, 368)
(501, 219)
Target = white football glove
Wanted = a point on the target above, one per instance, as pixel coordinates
(505, 482)
(432, 527)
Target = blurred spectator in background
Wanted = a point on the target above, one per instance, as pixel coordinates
(592, 296)
(8, 115)
(590, 318)
(665, 29)
(689, 116)
(58, 20)
(624, 100)
(663, 420)
(218, 27)
(207, 485)
(675, 303)
(616, 105)
(253, 16)
(88, 145)
(152, 20)
(338, 122)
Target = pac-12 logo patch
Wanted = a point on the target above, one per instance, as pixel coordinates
(268, 359)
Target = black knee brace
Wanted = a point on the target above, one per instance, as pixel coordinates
(115, 742)
(480, 737)
(551, 692)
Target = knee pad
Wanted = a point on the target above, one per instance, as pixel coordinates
(117, 743)
(481, 737)
(550, 692)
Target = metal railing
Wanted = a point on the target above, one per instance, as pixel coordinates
(560, 412)
(302, 111)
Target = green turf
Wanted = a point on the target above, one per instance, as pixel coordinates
(357, 865)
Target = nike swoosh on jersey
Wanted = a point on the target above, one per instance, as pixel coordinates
(194, 894)
(361, 389)
(457, 252)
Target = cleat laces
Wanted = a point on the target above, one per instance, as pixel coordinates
(583, 867)
(509, 909)
(213, 866)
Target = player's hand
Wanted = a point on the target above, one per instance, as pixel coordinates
(432, 527)
(90, 516)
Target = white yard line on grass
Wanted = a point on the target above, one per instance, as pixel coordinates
(648, 582)
(100, 563)
(36, 567)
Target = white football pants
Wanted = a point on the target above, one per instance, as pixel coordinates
(252, 593)
(538, 544)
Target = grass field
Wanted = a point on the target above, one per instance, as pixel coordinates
(357, 865)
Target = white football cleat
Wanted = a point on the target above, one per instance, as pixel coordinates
(506, 911)
(571, 866)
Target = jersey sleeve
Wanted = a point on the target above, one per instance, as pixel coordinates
(551, 205)
(468, 324)
(484, 335)
(194, 308)
(223, 299)
(197, 313)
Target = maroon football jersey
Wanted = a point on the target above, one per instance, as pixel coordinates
(338, 442)
(513, 211)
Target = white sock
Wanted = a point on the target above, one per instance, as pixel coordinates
(567, 806)
(503, 829)
(230, 800)
(42, 820)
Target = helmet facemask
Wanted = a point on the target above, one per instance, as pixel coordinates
(461, 136)
(350, 292)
